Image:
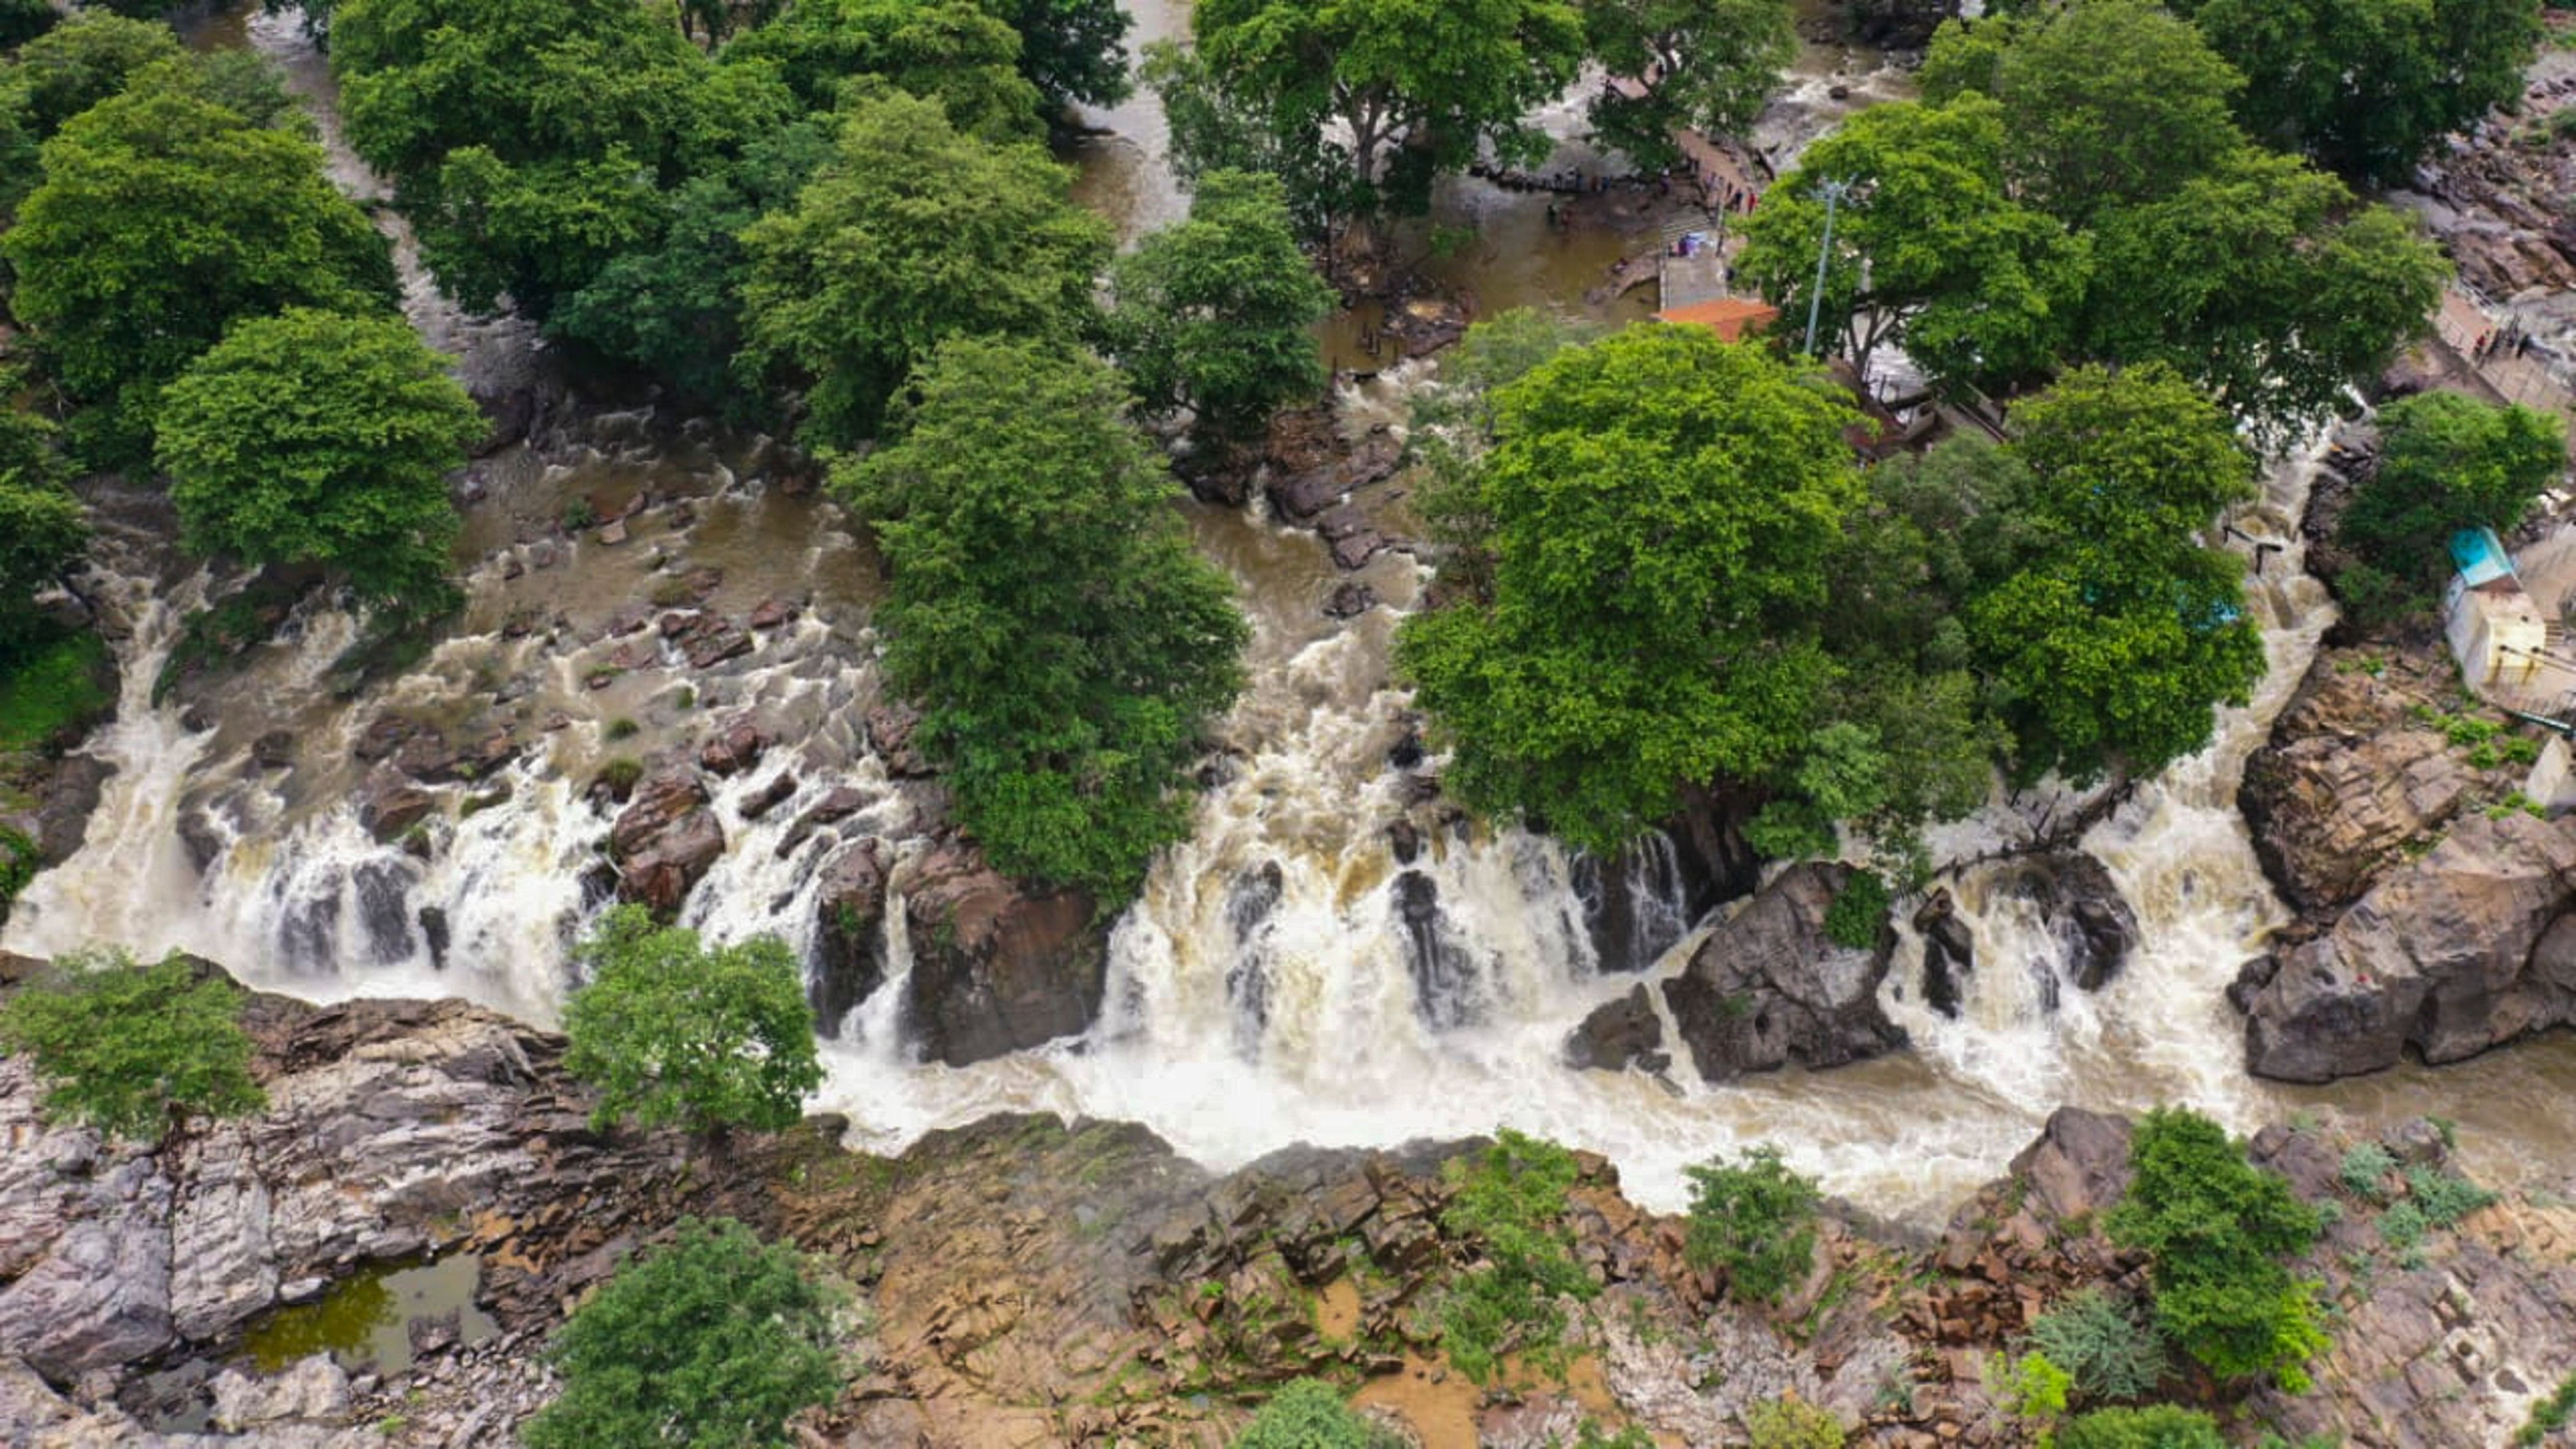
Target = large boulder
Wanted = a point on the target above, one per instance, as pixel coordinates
(996, 967)
(2453, 954)
(1619, 1034)
(2347, 779)
(1640, 901)
(665, 838)
(2074, 895)
(849, 903)
(1768, 987)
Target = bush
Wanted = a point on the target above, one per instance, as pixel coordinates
(2031, 1388)
(1792, 1424)
(2448, 461)
(2158, 1426)
(2100, 1342)
(54, 692)
(20, 859)
(2365, 1172)
(2217, 1229)
(710, 1342)
(674, 1032)
(1859, 911)
(619, 775)
(2549, 1415)
(1510, 1201)
(1308, 1414)
(176, 1045)
(2444, 1197)
(1756, 1222)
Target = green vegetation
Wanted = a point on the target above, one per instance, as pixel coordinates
(54, 691)
(1511, 1202)
(673, 1032)
(2098, 1340)
(910, 235)
(43, 531)
(2549, 1415)
(177, 1048)
(1791, 1424)
(2032, 1389)
(1071, 50)
(1067, 646)
(2448, 462)
(163, 218)
(20, 859)
(24, 20)
(1308, 1414)
(2217, 1230)
(1715, 64)
(2074, 188)
(2157, 1426)
(83, 61)
(1859, 911)
(352, 477)
(711, 1341)
(2367, 86)
(947, 51)
(1215, 314)
(1755, 1222)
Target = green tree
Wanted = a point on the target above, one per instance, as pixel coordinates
(1403, 95)
(1071, 50)
(711, 1341)
(85, 60)
(909, 235)
(1930, 250)
(1311, 1414)
(2115, 630)
(1713, 65)
(2157, 1426)
(130, 1049)
(2217, 1230)
(1756, 1221)
(1215, 314)
(2106, 103)
(352, 476)
(950, 51)
(1663, 507)
(23, 20)
(2448, 462)
(2365, 86)
(1068, 647)
(1216, 128)
(164, 217)
(43, 529)
(670, 1031)
(2262, 282)
(1510, 1202)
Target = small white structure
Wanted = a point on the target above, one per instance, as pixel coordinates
(2497, 632)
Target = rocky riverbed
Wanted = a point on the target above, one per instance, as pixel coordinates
(1026, 1281)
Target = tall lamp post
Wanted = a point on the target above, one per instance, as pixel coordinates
(1834, 192)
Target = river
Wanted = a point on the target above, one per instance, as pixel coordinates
(1230, 1030)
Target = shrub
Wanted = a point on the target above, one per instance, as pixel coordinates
(711, 1342)
(619, 775)
(2549, 1415)
(1511, 1201)
(671, 1031)
(176, 1044)
(1858, 912)
(2217, 1228)
(53, 692)
(2365, 1172)
(1309, 1414)
(20, 859)
(1755, 1221)
(621, 728)
(2403, 1227)
(1791, 1424)
(2031, 1388)
(2157, 1426)
(2100, 1342)
(2444, 1197)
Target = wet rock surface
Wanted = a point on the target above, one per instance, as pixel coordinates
(1767, 988)
(665, 839)
(996, 967)
(849, 906)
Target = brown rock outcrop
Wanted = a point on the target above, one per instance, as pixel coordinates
(1768, 988)
(996, 967)
(665, 838)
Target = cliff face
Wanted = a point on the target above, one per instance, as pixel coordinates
(1027, 1282)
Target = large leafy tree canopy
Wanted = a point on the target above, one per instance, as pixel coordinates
(162, 218)
(2075, 188)
(1067, 645)
(673, 1032)
(176, 1046)
(1706, 64)
(42, 527)
(317, 437)
(711, 1341)
(1662, 507)
(1214, 314)
(2365, 86)
(2447, 461)
(911, 234)
(1392, 90)
(1071, 50)
(83, 61)
(952, 51)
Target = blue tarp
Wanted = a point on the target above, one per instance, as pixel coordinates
(2481, 556)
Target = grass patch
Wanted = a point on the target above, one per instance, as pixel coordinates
(55, 693)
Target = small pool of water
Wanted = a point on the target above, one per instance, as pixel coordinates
(365, 1321)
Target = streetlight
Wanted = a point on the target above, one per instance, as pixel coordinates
(1834, 192)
